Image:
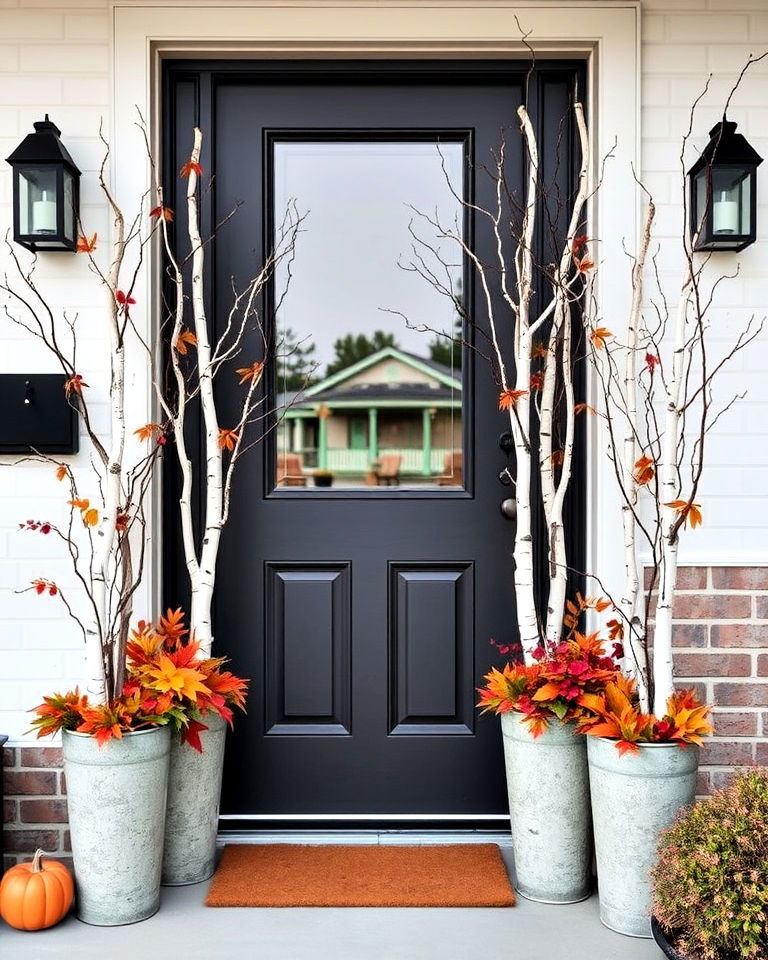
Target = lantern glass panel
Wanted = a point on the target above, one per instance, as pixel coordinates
(69, 206)
(730, 201)
(37, 201)
(701, 193)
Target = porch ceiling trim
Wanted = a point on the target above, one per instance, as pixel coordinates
(606, 33)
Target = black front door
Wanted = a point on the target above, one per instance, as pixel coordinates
(367, 565)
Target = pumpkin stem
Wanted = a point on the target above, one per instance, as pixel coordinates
(36, 865)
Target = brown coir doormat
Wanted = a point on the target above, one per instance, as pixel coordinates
(293, 875)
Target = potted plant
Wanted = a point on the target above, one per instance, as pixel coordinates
(710, 880)
(323, 478)
(116, 747)
(196, 359)
(642, 771)
(546, 760)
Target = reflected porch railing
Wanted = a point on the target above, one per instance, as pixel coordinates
(345, 460)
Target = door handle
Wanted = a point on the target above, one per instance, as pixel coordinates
(508, 508)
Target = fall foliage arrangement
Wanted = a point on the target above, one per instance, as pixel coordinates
(577, 680)
(168, 682)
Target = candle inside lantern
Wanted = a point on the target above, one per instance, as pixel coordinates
(44, 215)
(725, 214)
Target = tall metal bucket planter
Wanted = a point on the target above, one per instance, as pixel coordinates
(634, 798)
(548, 788)
(116, 799)
(192, 818)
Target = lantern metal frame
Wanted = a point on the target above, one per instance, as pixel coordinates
(726, 150)
(44, 150)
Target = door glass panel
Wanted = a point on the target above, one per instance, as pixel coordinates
(369, 353)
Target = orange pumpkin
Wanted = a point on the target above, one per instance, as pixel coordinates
(34, 896)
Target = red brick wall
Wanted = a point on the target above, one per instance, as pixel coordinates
(35, 806)
(721, 648)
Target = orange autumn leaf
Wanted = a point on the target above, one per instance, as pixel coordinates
(538, 350)
(250, 373)
(691, 511)
(228, 439)
(91, 517)
(74, 384)
(615, 629)
(184, 339)
(148, 431)
(190, 167)
(79, 504)
(508, 398)
(584, 264)
(61, 471)
(86, 244)
(161, 212)
(583, 408)
(598, 336)
(644, 471)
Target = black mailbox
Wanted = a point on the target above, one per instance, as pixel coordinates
(35, 414)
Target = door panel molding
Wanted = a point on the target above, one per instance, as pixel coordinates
(431, 648)
(307, 649)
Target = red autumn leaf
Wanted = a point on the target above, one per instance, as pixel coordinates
(161, 212)
(651, 362)
(74, 384)
(124, 299)
(583, 408)
(644, 471)
(184, 339)
(52, 589)
(191, 167)
(61, 471)
(598, 336)
(121, 522)
(557, 458)
(579, 242)
(250, 373)
(228, 439)
(40, 586)
(45, 528)
(86, 245)
(148, 431)
(691, 511)
(191, 735)
(537, 380)
(508, 398)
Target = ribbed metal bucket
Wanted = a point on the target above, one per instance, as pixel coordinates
(116, 800)
(194, 790)
(634, 798)
(548, 788)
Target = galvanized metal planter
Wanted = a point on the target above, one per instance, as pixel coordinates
(116, 800)
(548, 787)
(634, 798)
(192, 819)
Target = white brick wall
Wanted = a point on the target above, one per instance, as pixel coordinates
(55, 57)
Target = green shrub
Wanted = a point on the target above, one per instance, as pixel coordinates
(711, 879)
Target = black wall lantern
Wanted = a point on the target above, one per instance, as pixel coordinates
(46, 191)
(723, 198)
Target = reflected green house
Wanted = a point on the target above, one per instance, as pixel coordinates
(390, 404)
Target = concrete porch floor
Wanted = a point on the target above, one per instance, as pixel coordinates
(185, 927)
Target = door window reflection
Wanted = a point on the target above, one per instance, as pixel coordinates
(369, 365)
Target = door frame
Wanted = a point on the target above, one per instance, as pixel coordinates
(604, 33)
